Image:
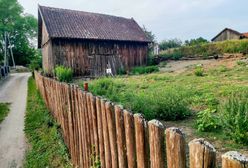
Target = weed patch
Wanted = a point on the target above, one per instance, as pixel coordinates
(4, 110)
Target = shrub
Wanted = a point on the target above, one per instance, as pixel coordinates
(63, 74)
(144, 70)
(234, 114)
(199, 71)
(207, 120)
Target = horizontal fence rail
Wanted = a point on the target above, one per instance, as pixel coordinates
(99, 133)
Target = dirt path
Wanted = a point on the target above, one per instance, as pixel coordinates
(181, 66)
(12, 138)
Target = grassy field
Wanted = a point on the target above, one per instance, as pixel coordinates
(47, 148)
(4, 110)
(177, 98)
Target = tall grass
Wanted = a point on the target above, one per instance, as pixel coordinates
(234, 114)
(167, 104)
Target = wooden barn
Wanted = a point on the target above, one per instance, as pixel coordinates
(89, 43)
(229, 34)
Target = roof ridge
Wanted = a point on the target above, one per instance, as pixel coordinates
(95, 13)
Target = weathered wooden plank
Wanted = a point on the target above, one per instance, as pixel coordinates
(112, 133)
(108, 160)
(120, 133)
(140, 139)
(130, 138)
(100, 131)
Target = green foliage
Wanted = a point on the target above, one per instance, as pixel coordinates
(4, 110)
(175, 54)
(63, 74)
(166, 103)
(144, 70)
(121, 71)
(199, 71)
(36, 62)
(205, 50)
(22, 29)
(207, 120)
(197, 41)
(47, 148)
(234, 114)
(172, 43)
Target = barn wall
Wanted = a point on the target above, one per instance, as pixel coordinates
(93, 57)
(227, 35)
(47, 58)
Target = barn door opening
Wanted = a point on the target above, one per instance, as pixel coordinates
(100, 63)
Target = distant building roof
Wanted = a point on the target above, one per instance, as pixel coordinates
(234, 31)
(64, 23)
(245, 34)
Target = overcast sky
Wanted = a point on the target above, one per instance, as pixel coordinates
(183, 19)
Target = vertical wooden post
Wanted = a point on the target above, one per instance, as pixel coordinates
(100, 132)
(112, 133)
(202, 154)
(139, 123)
(156, 141)
(105, 135)
(130, 138)
(234, 159)
(175, 148)
(120, 133)
(94, 121)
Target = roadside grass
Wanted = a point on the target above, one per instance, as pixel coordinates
(4, 110)
(46, 146)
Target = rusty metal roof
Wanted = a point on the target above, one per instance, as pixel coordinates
(64, 23)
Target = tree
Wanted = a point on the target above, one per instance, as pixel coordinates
(151, 37)
(196, 41)
(172, 43)
(22, 29)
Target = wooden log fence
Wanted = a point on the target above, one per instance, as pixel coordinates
(97, 131)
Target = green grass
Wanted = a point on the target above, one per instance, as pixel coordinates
(4, 110)
(147, 93)
(159, 94)
(46, 146)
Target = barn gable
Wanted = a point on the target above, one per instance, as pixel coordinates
(71, 24)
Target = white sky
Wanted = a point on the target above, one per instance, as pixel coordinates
(183, 19)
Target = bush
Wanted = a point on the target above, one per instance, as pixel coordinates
(199, 71)
(207, 121)
(63, 74)
(144, 70)
(234, 114)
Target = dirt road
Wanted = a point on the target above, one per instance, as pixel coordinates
(12, 138)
